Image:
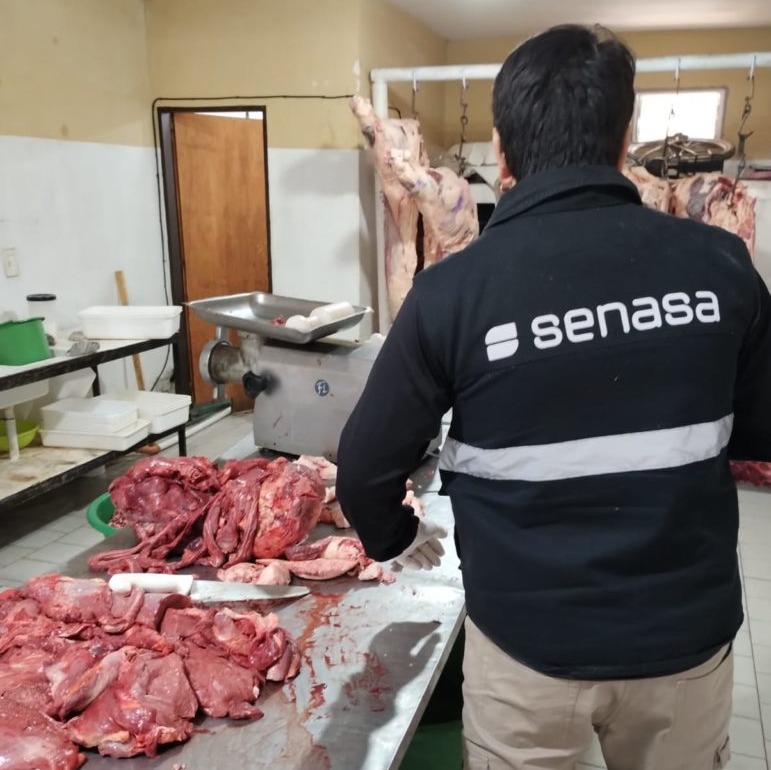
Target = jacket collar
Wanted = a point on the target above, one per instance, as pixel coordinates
(537, 189)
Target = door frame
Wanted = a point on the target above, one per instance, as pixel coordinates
(183, 379)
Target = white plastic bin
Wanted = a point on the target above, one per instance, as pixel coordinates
(89, 415)
(139, 322)
(163, 410)
(118, 442)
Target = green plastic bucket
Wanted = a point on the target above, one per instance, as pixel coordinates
(23, 342)
(99, 513)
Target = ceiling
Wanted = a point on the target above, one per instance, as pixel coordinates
(459, 19)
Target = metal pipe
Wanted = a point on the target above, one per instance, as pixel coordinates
(736, 61)
(380, 105)
(489, 71)
(10, 432)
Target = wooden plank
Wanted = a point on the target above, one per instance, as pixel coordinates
(120, 281)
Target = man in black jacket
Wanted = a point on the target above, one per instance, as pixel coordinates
(602, 362)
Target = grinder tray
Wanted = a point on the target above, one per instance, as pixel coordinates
(255, 312)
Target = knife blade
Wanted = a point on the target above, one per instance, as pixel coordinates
(204, 591)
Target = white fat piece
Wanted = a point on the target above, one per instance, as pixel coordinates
(327, 314)
(300, 323)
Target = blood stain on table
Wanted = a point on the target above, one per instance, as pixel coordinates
(317, 696)
(321, 612)
(369, 683)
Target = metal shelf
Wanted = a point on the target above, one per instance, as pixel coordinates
(49, 467)
(13, 376)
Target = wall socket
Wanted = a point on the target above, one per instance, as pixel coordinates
(10, 263)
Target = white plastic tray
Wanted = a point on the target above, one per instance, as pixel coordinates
(89, 415)
(163, 410)
(118, 442)
(138, 322)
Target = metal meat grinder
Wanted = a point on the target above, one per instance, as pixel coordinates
(304, 388)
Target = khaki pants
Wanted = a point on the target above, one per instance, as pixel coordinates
(517, 719)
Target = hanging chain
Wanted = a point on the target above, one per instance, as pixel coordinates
(746, 112)
(670, 118)
(463, 126)
(415, 89)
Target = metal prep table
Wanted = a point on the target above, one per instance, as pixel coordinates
(41, 469)
(371, 656)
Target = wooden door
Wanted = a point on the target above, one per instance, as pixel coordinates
(223, 222)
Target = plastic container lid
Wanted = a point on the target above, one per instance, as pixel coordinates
(131, 311)
(89, 415)
(151, 404)
(41, 297)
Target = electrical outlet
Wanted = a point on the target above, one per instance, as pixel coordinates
(10, 263)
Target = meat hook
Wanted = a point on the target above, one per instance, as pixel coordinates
(463, 125)
(665, 167)
(743, 137)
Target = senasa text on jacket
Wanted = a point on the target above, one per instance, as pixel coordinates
(582, 324)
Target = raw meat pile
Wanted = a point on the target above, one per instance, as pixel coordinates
(711, 198)
(187, 511)
(411, 188)
(153, 492)
(83, 667)
(246, 518)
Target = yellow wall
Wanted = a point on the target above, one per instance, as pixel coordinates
(644, 44)
(74, 69)
(389, 37)
(88, 69)
(260, 47)
(208, 48)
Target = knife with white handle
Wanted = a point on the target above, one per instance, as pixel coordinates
(205, 591)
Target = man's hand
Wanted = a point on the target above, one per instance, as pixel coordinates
(425, 551)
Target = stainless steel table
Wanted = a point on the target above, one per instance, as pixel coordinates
(372, 654)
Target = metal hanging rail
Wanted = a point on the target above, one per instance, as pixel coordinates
(382, 77)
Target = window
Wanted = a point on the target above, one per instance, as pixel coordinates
(697, 113)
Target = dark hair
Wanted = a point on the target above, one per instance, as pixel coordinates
(564, 98)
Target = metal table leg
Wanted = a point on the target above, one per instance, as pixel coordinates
(182, 441)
